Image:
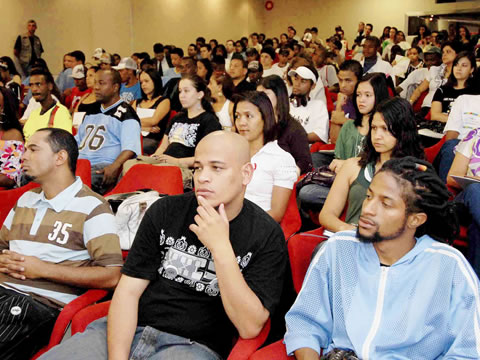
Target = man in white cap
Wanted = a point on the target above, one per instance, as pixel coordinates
(105, 61)
(130, 89)
(79, 77)
(97, 54)
(312, 114)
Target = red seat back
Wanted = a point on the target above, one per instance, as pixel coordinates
(291, 221)
(432, 151)
(84, 170)
(164, 179)
(300, 249)
(8, 198)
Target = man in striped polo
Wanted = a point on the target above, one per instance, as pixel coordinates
(58, 240)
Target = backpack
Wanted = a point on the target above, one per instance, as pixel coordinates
(129, 209)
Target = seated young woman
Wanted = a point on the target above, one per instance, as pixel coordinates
(186, 129)
(467, 164)
(275, 170)
(392, 134)
(11, 141)
(368, 92)
(221, 87)
(292, 136)
(459, 83)
(153, 110)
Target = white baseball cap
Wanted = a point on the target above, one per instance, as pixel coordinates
(304, 72)
(98, 53)
(126, 63)
(78, 72)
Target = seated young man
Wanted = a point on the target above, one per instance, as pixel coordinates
(312, 114)
(204, 266)
(110, 132)
(350, 73)
(391, 289)
(58, 240)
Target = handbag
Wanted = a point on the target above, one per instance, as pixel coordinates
(322, 176)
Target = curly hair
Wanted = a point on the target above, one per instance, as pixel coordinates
(400, 120)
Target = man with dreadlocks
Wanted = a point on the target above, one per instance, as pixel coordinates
(393, 288)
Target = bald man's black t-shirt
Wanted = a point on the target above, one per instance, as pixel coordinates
(183, 296)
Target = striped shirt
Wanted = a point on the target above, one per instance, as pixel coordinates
(75, 228)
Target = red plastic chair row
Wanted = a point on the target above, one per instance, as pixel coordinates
(241, 351)
(67, 314)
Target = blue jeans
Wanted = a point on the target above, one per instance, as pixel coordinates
(445, 157)
(148, 343)
(313, 196)
(97, 179)
(471, 198)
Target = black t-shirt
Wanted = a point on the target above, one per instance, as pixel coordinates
(447, 95)
(185, 133)
(183, 295)
(243, 86)
(294, 140)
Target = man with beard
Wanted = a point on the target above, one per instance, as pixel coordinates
(392, 288)
(58, 240)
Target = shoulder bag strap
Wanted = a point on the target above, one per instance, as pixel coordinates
(52, 116)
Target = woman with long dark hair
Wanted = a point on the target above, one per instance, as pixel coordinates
(371, 90)
(459, 83)
(275, 170)
(153, 110)
(392, 134)
(11, 141)
(292, 136)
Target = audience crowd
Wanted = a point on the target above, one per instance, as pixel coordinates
(246, 121)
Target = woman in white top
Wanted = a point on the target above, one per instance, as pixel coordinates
(221, 86)
(275, 170)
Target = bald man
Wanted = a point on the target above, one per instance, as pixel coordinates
(189, 250)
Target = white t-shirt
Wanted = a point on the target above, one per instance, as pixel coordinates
(380, 66)
(328, 74)
(313, 117)
(464, 116)
(318, 92)
(413, 80)
(436, 78)
(282, 70)
(273, 167)
(224, 116)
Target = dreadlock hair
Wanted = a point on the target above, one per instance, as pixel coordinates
(424, 191)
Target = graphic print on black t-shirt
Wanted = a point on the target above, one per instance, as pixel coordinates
(192, 266)
(183, 133)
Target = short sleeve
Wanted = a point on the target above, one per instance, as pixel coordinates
(465, 147)
(332, 77)
(321, 121)
(454, 122)
(264, 274)
(438, 95)
(285, 173)
(210, 124)
(18, 44)
(340, 150)
(130, 136)
(100, 237)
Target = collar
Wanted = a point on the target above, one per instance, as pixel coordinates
(103, 110)
(422, 243)
(60, 202)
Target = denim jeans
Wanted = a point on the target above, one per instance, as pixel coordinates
(148, 343)
(445, 157)
(313, 196)
(97, 179)
(471, 198)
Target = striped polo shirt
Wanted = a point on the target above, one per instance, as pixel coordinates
(75, 228)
